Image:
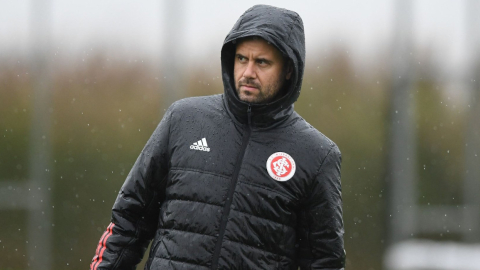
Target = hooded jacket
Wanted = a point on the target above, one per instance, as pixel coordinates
(204, 187)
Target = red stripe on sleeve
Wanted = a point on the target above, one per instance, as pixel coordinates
(100, 244)
(100, 256)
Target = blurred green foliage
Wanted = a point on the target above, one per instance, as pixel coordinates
(105, 110)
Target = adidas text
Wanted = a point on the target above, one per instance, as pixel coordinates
(201, 148)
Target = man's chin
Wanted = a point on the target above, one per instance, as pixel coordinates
(248, 99)
(252, 98)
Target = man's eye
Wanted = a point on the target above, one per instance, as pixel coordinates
(241, 58)
(262, 62)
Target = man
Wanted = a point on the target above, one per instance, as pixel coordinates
(239, 180)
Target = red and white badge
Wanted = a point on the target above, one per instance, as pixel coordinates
(281, 166)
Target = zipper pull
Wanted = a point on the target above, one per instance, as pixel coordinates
(249, 115)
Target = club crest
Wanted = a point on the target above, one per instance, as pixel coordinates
(281, 166)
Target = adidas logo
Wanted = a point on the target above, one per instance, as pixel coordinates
(200, 145)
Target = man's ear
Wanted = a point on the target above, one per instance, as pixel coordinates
(289, 70)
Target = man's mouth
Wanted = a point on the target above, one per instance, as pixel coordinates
(249, 87)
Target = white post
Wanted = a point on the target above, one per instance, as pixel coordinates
(172, 43)
(472, 138)
(402, 178)
(39, 245)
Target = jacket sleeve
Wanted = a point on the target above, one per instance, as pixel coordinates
(136, 209)
(320, 228)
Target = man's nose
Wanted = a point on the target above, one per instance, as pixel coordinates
(250, 70)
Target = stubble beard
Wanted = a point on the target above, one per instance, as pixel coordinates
(264, 95)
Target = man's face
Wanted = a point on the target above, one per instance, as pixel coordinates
(259, 71)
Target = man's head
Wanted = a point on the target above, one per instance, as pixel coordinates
(260, 70)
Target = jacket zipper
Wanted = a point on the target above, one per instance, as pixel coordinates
(231, 191)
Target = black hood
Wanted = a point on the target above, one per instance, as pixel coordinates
(283, 29)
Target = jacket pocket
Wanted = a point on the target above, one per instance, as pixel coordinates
(153, 251)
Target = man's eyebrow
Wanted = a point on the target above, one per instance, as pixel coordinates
(256, 59)
(263, 59)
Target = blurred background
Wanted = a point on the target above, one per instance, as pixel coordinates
(395, 83)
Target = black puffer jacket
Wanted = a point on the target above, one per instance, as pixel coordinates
(201, 188)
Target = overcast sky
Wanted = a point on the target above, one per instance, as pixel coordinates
(139, 26)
